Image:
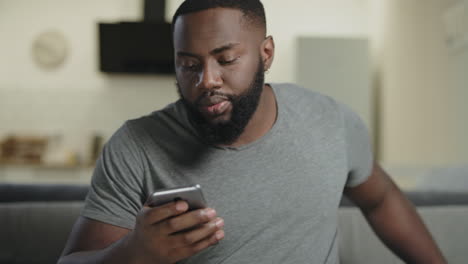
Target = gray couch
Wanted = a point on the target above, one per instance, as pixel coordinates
(35, 221)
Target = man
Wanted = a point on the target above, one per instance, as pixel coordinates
(273, 160)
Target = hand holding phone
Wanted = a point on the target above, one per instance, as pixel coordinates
(172, 227)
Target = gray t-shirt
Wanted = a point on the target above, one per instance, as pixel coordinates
(279, 195)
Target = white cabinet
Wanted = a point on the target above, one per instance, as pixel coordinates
(340, 68)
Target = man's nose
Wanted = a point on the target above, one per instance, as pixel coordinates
(209, 78)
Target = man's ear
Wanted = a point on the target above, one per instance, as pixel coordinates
(267, 52)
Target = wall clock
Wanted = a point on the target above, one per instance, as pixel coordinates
(50, 49)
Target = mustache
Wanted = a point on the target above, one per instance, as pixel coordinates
(206, 95)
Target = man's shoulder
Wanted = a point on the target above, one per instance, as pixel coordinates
(306, 100)
(172, 113)
(163, 124)
(294, 91)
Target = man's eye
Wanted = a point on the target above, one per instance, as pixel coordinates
(227, 61)
(190, 66)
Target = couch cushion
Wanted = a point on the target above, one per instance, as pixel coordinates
(35, 232)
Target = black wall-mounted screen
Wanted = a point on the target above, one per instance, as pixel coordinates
(136, 47)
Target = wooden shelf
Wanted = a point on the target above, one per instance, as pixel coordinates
(45, 166)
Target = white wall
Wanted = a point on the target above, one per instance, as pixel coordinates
(76, 99)
(423, 88)
(424, 85)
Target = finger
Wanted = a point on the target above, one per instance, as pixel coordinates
(191, 237)
(183, 253)
(157, 214)
(188, 220)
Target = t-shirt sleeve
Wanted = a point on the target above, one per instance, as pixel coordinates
(358, 148)
(116, 186)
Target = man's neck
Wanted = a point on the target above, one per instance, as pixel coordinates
(262, 120)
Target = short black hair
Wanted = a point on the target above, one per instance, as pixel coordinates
(252, 10)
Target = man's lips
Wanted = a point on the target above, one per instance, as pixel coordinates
(216, 108)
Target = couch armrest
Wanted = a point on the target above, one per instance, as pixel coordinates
(42, 192)
(359, 244)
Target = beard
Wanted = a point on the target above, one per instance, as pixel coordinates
(243, 107)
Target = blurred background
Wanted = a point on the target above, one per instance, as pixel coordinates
(402, 65)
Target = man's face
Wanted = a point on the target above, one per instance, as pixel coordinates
(219, 71)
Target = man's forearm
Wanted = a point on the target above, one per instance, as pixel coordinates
(399, 226)
(117, 253)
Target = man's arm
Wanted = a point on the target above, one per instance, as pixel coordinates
(95, 242)
(394, 219)
(162, 235)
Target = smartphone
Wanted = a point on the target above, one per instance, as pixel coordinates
(193, 195)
